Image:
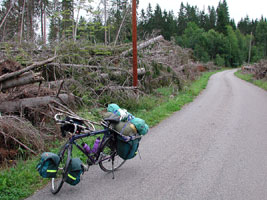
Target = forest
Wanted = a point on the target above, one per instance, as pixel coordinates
(212, 34)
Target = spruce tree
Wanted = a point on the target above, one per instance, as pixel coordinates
(181, 20)
(223, 19)
(67, 18)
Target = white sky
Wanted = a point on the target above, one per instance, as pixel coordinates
(237, 8)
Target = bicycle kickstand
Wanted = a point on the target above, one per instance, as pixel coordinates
(113, 176)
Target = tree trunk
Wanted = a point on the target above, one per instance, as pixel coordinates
(84, 66)
(77, 21)
(11, 5)
(144, 44)
(14, 106)
(26, 78)
(122, 22)
(105, 18)
(22, 22)
(44, 38)
(42, 20)
(17, 73)
(140, 71)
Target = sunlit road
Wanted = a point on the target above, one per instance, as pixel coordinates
(214, 148)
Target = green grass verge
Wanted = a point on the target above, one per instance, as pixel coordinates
(23, 180)
(170, 105)
(249, 77)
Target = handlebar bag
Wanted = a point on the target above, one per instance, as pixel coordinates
(127, 150)
(70, 127)
(48, 165)
(74, 171)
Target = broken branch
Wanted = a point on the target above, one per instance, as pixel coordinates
(19, 72)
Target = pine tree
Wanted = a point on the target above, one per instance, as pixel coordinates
(54, 27)
(67, 18)
(261, 37)
(192, 14)
(223, 19)
(212, 18)
(181, 20)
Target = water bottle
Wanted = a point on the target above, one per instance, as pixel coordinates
(96, 144)
(86, 148)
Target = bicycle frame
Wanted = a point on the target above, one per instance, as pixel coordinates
(95, 157)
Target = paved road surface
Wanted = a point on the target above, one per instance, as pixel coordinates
(214, 148)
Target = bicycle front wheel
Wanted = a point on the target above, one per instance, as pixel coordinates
(57, 183)
(110, 157)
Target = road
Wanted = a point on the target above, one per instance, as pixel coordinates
(214, 148)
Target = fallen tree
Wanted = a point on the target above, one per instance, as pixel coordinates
(18, 105)
(85, 66)
(31, 67)
(24, 79)
(144, 45)
(140, 71)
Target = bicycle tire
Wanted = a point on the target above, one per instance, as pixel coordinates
(109, 153)
(56, 184)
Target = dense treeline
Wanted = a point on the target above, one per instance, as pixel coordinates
(212, 34)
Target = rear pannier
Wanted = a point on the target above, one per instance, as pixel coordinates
(127, 149)
(48, 165)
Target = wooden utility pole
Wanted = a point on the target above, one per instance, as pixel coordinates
(249, 51)
(134, 37)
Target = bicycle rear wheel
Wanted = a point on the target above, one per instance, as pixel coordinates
(109, 156)
(57, 183)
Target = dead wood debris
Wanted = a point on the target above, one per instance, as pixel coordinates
(259, 70)
(33, 105)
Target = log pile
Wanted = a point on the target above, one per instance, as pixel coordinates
(26, 109)
(20, 92)
(259, 70)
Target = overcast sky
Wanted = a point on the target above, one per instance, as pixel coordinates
(237, 8)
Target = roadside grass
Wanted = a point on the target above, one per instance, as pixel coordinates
(23, 180)
(249, 77)
(163, 110)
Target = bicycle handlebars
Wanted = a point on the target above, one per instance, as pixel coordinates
(87, 130)
(76, 126)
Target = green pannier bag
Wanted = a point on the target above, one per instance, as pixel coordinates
(74, 171)
(48, 165)
(127, 150)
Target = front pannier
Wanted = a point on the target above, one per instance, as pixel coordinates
(127, 150)
(74, 171)
(48, 165)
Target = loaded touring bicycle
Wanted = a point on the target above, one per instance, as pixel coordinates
(110, 151)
